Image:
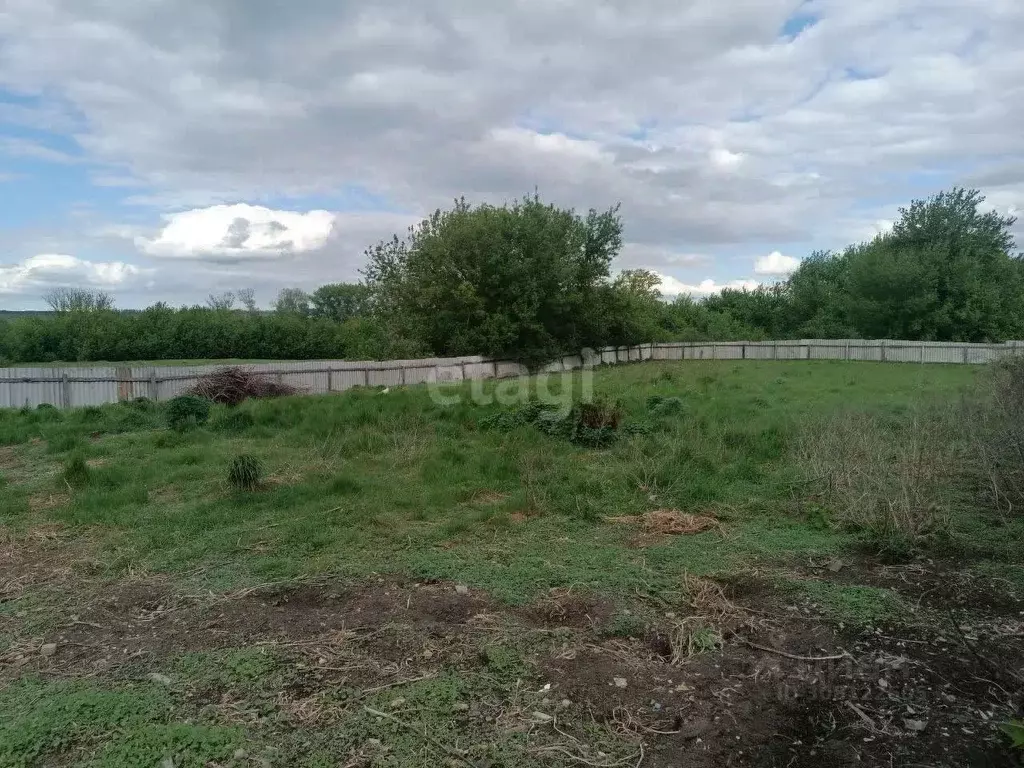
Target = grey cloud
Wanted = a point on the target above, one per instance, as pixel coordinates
(238, 233)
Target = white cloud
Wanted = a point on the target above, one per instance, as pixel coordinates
(671, 286)
(776, 264)
(740, 141)
(239, 231)
(48, 270)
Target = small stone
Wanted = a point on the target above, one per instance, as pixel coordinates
(374, 744)
(461, 589)
(565, 704)
(915, 725)
(542, 717)
(883, 683)
(620, 682)
(49, 649)
(836, 565)
(461, 707)
(156, 677)
(396, 703)
(428, 654)
(240, 754)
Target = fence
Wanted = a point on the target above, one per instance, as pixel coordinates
(70, 387)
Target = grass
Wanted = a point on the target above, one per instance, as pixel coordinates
(369, 483)
(392, 482)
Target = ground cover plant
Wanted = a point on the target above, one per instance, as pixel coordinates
(770, 564)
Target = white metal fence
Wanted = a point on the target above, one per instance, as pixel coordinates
(68, 387)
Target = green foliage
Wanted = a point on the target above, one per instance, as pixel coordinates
(594, 425)
(524, 280)
(246, 473)
(1015, 730)
(76, 472)
(48, 723)
(187, 411)
(340, 301)
(662, 405)
(233, 420)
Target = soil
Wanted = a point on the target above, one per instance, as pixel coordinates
(774, 695)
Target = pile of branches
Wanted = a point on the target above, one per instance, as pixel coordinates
(231, 386)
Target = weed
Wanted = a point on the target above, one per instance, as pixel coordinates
(187, 411)
(245, 473)
(625, 624)
(855, 604)
(660, 405)
(76, 472)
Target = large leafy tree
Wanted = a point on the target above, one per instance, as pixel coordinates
(523, 280)
(946, 272)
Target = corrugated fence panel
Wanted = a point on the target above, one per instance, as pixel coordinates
(97, 385)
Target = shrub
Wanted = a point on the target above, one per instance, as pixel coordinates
(76, 472)
(186, 411)
(245, 473)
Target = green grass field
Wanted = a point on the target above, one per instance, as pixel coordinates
(371, 499)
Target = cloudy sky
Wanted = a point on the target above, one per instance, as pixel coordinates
(161, 149)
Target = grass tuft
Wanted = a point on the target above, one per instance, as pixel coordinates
(246, 473)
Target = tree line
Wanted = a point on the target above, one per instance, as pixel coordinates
(529, 280)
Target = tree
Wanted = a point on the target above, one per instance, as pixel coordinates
(944, 273)
(78, 300)
(247, 298)
(522, 280)
(292, 301)
(341, 301)
(221, 301)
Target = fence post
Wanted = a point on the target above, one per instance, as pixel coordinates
(881, 350)
(153, 392)
(965, 354)
(330, 379)
(65, 391)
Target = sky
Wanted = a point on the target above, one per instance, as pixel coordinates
(166, 151)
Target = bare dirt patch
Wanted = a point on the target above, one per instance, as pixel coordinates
(782, 688)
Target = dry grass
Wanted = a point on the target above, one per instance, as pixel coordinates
(669, 522)
(996, 429)
(893, 480)
(712, 616)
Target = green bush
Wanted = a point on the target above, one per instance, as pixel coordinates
(245, 473)
(76, 472)
(187, 411)
(660, 405)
